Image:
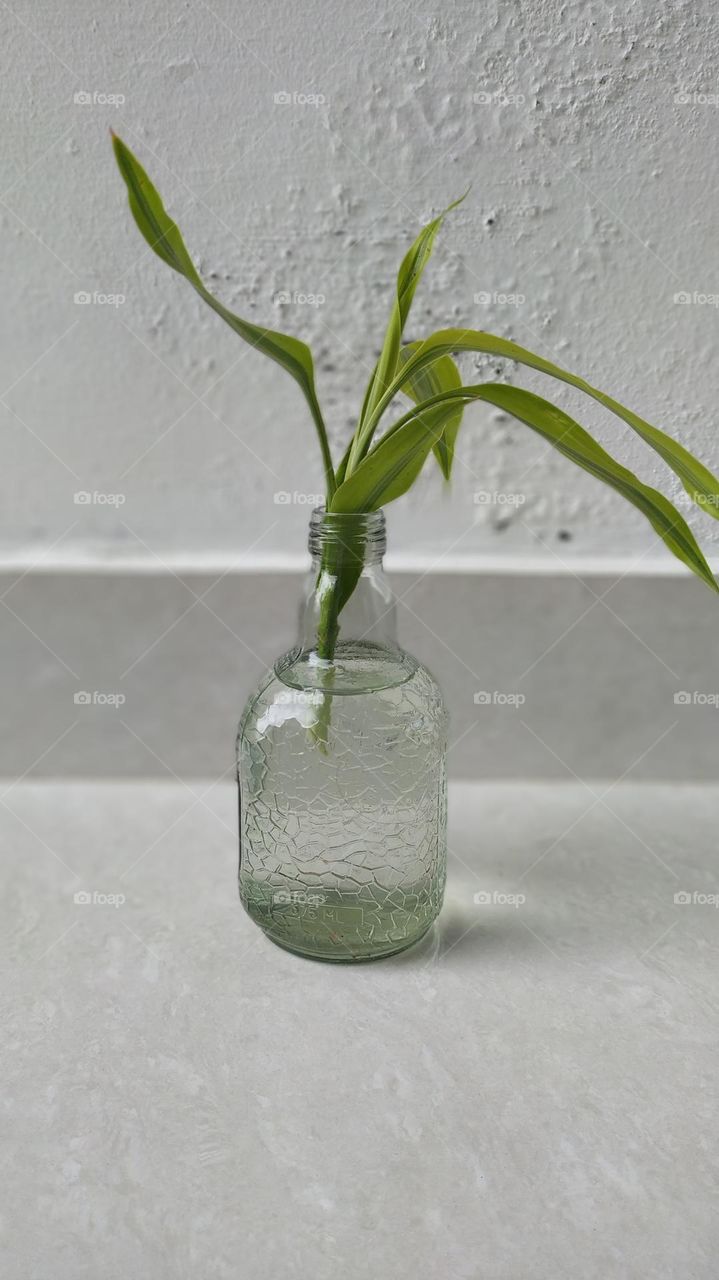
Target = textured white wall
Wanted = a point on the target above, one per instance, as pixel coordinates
(593, 197)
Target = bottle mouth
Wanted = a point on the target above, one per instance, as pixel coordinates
(360, 534)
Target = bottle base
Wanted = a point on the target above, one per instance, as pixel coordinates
(341, 927)
(333, 957)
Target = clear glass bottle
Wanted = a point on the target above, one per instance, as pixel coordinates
(341, 767)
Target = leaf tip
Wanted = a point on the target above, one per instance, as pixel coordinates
(460, 200)
(118, 145)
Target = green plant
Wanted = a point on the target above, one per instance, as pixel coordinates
(373, 471)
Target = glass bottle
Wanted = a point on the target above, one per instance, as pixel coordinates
(341, 767)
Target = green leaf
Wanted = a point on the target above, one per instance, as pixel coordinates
(441, 375)
(408, 277)
(390, 468)
(431, 380)
(163, 236)
(698, 481)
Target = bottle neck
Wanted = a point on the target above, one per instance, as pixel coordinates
(348, 600)
(344, 536)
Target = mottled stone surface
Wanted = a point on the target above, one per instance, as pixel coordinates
(529, 1095)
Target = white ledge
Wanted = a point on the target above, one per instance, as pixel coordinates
(640, 566)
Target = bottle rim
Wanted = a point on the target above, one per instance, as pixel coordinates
(360, 533)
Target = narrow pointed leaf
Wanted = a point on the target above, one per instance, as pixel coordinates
(441, 375)
(431, 380)
(390, 468)
(408, 277)
(698, 481)
(163, 236)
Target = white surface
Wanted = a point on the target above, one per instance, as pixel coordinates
(593, 196)
(527, 1095)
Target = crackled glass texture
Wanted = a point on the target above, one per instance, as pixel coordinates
(341, 771)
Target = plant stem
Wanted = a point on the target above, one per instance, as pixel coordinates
(327, 632)
(330, 482)
(341, 564)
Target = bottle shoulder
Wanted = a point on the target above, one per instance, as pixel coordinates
(358, 667)
(293, 690)
(428, 679)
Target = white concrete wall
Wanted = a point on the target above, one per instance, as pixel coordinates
(593, 197)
